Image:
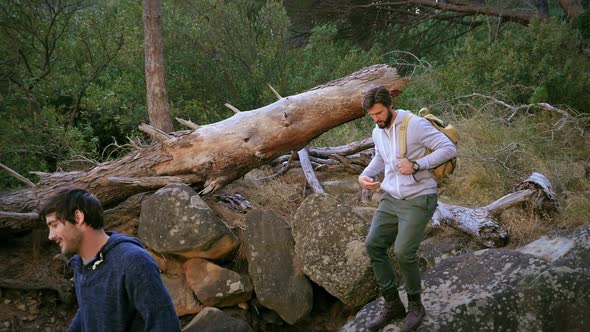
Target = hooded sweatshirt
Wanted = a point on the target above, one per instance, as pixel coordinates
(421, 135)
(121, 290)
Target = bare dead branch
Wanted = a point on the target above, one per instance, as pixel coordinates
(232, 108)
(506, 14)
(483, 223)
(306, 165)
(188, 123)
(154, 132)
(274, 92)
(19, 177)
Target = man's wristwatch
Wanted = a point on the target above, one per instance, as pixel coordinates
(415, 167)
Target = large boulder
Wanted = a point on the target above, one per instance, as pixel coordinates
(176, 220)
(505, 290)
(278, 281)
(214, 320)
(569, 248)
(329, 242)
(341, 187)
(183, 298)
(168, 264)
(215, 286)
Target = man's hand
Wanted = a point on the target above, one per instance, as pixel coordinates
(404, 166)
(368, 183)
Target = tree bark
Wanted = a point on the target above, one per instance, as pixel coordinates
(155, 77)
(214, 155)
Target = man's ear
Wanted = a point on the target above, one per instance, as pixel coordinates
(79, 217)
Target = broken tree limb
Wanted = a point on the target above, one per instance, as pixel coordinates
(274, 92)
(483, 223)
(155, 133)
(355, 169)
(18, 176)
(479, 223)
(188, 123)
(219, 153)
(313, 181)
(354, 163)
(286, 165)
(232, 108)
(344, 150)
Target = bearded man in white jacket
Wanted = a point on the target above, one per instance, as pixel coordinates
(407, 204)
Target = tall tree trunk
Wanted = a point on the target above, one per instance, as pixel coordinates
(155, 78)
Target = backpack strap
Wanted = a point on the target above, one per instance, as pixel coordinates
(403, 136)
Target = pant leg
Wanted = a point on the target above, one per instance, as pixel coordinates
(414, 215)
(381, 236)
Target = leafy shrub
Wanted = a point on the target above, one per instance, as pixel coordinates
(539, 63)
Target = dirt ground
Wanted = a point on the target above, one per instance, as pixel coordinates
(29, 279)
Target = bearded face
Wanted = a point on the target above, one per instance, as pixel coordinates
(381, 115)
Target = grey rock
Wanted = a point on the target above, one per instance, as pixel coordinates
(330, 243)
(215, 286)
(433, 250)
(176, 220)
(340, 187)
(214, 320)
(570, 248)
(183, 298)
(278, 281)
(503, 290)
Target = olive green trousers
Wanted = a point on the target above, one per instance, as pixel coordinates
(401, 222)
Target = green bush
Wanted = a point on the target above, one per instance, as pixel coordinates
(30, 144)
(539, 63)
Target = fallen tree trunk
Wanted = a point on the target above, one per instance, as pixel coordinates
(483, 224)
(214, 155)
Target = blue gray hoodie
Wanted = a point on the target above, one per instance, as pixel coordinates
(420, 136)
(121, 290)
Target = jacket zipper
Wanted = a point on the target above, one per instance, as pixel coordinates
(397, 175)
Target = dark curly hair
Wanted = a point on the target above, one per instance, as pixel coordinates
(67, 201)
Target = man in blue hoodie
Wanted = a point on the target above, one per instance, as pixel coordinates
(118, 284)
(407, 204)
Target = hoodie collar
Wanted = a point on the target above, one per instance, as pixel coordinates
(114, 240)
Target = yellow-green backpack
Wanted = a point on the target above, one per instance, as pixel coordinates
(445, 169)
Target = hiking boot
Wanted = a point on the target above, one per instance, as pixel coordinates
(416, 313)
(393, 309)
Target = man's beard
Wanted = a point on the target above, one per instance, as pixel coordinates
(387, 122)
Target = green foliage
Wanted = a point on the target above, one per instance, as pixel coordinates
(38, 144)
(224, 52)
(60, 61)
(539, 62)
(325, 58)
(582, 23)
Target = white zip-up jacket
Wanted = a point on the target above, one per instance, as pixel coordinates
(420, 136)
